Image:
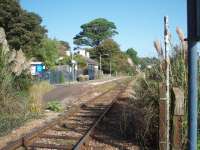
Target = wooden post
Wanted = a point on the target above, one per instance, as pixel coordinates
(178, 113)
(162, 117)
(167, 60)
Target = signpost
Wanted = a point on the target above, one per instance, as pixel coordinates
(193, 19)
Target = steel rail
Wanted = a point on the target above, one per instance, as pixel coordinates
(86, 137)
(25, 140)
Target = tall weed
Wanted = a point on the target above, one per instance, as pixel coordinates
(36, 93)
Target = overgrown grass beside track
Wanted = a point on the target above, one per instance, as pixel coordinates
(20, 107)
(139, 119)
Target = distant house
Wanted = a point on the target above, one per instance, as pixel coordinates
(82, 52)
(92, 65)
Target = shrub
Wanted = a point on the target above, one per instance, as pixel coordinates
(65, 61)
(22, 82)
(81, 61)
(83, 78)
(13, 106)
(139, 118)
(9, 102)
(62, 77)
(36, 93)
(54, 106)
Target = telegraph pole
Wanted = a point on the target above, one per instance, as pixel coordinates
(167, 61)
(193, 22)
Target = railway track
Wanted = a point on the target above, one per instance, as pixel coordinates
(73, 128)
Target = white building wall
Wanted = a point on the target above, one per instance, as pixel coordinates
(83, 52)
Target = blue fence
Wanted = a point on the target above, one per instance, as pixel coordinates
(60, 74)
(66, 73)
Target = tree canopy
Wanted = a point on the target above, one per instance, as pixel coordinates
(94, 32)
(107, 47)
(133, 55)
(111, 53)
(23, 29)
(48, 52)
(63, 47)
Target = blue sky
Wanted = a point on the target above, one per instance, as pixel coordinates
(139, 22)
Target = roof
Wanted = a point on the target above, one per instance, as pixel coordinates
(36, 63)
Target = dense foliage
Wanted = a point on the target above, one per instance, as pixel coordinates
(63, 47)
(111, 56)
(81, 61)
(94, 32)
(178, 75)
(106, 49)
(133, 55)
(48, 52)
(97, 34)
(13, 106)
(120, 64)
(23, 29)
(145, 61)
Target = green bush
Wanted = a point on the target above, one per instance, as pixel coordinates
(65, 61)
(62, 77)
(9, 102)
(54, 106)
(22, 82)
(81, 61)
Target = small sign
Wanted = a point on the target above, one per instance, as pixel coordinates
(39, 68)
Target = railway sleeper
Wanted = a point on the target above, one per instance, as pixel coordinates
(35, 146)
(48, 136)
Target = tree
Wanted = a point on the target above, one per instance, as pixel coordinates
(145, 61)
(120, 63)
(23, 29)
(107, 47)
(94, 32)
(48, 52)
(81, 61)
(63, 47)
(111, 53)
(133, 55)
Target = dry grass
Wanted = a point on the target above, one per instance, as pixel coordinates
(180, 34)
(159, 49)
(36, 93)
(179, 71)
(12, 105)
(139, 117)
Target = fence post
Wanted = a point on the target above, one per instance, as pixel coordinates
(162, 117)
(177, 114)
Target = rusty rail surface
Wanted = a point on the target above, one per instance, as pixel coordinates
(28, 140)
(86, 137)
